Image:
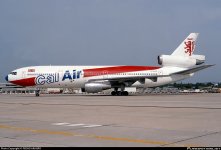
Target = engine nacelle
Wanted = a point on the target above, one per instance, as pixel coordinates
(200, 59)
(181, 61)
(95, 87)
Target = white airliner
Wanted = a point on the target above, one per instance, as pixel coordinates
(181, 64)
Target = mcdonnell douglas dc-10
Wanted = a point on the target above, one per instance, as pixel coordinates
(181, 64)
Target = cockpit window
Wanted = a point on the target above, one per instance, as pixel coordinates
(13, 73)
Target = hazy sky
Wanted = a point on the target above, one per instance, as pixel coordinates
(106, 32)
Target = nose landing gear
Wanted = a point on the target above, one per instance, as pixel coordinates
(37, 93)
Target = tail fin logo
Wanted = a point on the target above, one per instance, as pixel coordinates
(189, 46)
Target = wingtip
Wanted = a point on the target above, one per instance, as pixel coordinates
(208, 65)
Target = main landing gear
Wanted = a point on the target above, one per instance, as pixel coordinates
(119, 93)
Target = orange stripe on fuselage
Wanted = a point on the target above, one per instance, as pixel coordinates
(117, 69)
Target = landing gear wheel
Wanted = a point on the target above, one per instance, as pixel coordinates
(37, 93)
(113, 93)
(119, 93)
(125, 93)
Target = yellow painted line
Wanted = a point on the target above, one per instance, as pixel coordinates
(107, 138)
(36, 131)
(129, 140)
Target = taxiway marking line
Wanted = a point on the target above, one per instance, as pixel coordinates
(76, 125)
(92, 126)
(108, 138)
(60, 124)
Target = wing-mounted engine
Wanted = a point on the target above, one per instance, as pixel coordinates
(181, 61)
(95, 87)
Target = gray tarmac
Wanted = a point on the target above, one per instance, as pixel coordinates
(100, 120)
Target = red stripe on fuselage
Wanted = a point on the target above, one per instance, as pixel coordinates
(25, 82)
(117, 69)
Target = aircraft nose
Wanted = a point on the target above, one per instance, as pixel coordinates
(6, 78)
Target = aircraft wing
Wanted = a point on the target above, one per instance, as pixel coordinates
(131, 80)
(192, 70)
(128, 80)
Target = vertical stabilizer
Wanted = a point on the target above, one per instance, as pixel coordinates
(187, 47)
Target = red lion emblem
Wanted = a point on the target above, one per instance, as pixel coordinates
(189, 47)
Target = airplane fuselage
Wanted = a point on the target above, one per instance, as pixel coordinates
(78, 76)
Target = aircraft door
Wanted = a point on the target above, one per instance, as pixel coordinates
(23, 74)
(60, 76)
(160, 72)
(105, 74)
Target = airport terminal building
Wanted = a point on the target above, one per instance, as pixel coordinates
(8, 88)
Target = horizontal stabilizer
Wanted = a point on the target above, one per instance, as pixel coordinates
(194, 69)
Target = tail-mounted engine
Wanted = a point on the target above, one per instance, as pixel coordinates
(181, 61)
